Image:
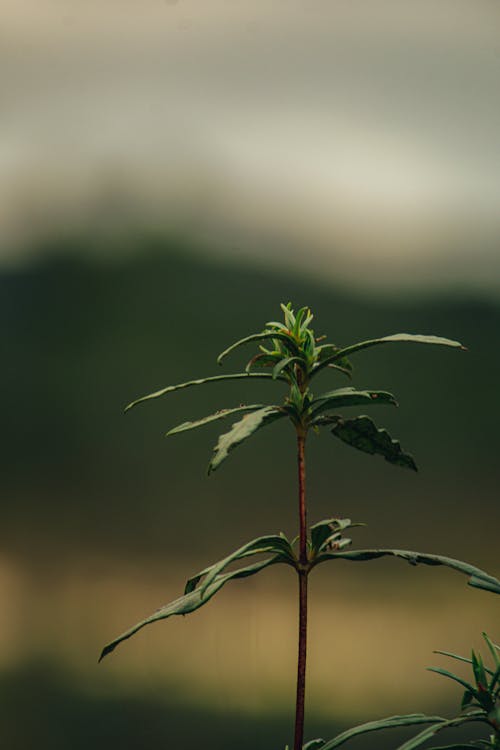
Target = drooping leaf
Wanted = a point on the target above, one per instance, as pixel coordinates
(200, 381)
(221, 414)
(343, 370)
(313, 745)
(279, 335)
(349, 397)
(478, 578)
(262, 360)
(242, 430)
(275, 324)
(326, 352)
(429, 732)
(362, 433)
(379, 724)
(191, 602)
(273, 543)
(395, 338)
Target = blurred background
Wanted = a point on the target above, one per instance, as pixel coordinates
(171, 171)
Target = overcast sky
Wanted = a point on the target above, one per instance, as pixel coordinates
(335, 132)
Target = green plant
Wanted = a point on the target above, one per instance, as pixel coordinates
(294, 356)
(480, 703)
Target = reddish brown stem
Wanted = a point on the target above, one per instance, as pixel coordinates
(303, 573)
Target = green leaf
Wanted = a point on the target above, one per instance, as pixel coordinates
(313, 745)
(362, 433)
(192, 601)
(375, 726)
(288, 313)
(349, 397)
(221, 414)
(200, 381)
(478, 669)
(278, 545)
(492, 649)
(478, 578)
(322, 531)
(343, 370)
(452, 676)
(242, 430)
(326, 351)
(459, 658)
(284, 363)
(287, 340)
(395, 338)
(264, 544)
(431, 731)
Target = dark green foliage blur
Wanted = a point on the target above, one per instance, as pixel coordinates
(81, 338)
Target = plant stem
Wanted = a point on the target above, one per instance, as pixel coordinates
(303, 573)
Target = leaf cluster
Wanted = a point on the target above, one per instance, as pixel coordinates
(289, 352)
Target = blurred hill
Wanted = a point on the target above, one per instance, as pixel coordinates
(81, 338)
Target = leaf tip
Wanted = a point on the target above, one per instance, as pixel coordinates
(106, 650)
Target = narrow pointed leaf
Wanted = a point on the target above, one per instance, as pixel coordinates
(478, 578)
(241, 431)
(200, 381)
(289, 316)
(478, 669)
(343, 370)
(362, 433)
(350, 397)
(256, 547)
(276, 324)
(272, 543)
(190, 602)
(453, 676)
(313, 745)
(492, 649)
(281, 336)
(395, 338)
(221, 414)
(459, 658)
(284, 363)
(431, 731)
(375, 726)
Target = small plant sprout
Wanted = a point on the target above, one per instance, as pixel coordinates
(290, 353)
(480, 704)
